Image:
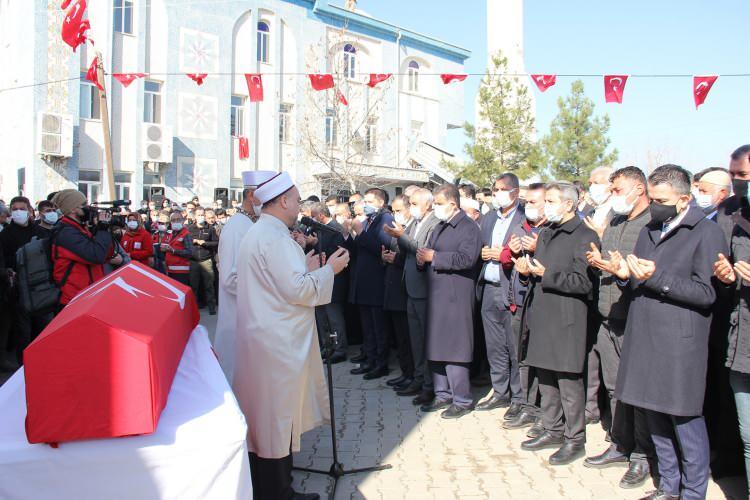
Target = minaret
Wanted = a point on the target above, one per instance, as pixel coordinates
(505, 33)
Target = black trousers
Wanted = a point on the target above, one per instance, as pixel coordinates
(527, 374)
(331, 320)
(183, 278)
(375, 336)
(202, 279)
(397, 324)
(563, 402)
(502, 348)
(272, 477)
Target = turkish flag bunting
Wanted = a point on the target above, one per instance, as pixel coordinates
(321, 82)
(127, 78)
(614, 86)
(376, 78)
(701, 86)
(341, 98)
(450, 77)
(244, 148)
(543, 82)
(197, 77)
(74, 26)
(254, 86)
(92, 75)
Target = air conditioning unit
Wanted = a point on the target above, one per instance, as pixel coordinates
(156, 145)
(55, 135)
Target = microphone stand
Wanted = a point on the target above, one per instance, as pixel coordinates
(337, 470)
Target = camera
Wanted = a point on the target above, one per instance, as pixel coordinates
(114, 220)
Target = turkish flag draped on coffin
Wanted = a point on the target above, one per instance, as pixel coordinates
(104, 366)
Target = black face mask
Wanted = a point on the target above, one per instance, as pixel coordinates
(740, 187)
(662, 213)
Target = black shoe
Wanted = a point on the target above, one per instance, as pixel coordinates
(525, 419)
(514, 410)
(607, 459)
(338, 357)
(412, 390)
(496, 401)
(362, 369)
(305, 496)
(438, 404)
(361, 358)
(403, 385)
(568, 453)
(424, 398)
(454, 411)
(592, 420)
(545, 440)
(376, 373)
(396, 381)
(660, 495)
(637, 474)
(537, 429)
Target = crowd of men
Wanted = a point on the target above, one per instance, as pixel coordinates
(624, 303)
(178, 240)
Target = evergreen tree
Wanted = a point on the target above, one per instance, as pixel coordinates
(503, 140)
(577, 141)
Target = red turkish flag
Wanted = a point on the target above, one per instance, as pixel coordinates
(701, 86)
(244, 148)
(614, 86)
(376, 78)
(341, 98)
(451, 77)
(543, 82)
(197, 77)
(321, 82)
(254, 86)
(92, 75)
(127, 78)
(74, 27)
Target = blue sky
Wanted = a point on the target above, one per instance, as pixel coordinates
(657, 121)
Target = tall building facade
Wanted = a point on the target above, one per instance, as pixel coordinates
(174, 138)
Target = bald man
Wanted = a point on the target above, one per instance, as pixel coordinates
(713, 188)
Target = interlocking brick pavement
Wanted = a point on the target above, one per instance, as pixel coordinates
(434, 458)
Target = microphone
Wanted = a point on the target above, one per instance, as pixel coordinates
(312, 223)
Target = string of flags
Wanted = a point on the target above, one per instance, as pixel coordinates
(75, 27)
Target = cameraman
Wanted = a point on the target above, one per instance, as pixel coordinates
(78, 256)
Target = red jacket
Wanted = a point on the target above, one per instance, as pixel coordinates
(139, 246)
(78, 257)
(178, 262)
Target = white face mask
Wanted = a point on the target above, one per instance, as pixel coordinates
(620, 204)
(162, 227)
(176, 226)
(416, 212)
(361, 218)
(551, 213)
(501, 199)
(50, 218)
(533, 214)
(299, 217)
(442, 212)
(200, 220)
(705, 201)
(132, 225)
(340, 219)
(257, 209)
(599, 193)
(20, 217)
(400, 218)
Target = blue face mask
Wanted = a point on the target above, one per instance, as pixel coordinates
(369, 209)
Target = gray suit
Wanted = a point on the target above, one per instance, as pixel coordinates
(416, 290)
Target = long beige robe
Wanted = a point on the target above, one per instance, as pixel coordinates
(278, 373)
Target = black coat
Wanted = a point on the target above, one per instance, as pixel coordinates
(557, 304)
(395, 286)
(665, 349)
(451, 281)
(367, 285)
(724, 213)
(329, 244)
(738, 349)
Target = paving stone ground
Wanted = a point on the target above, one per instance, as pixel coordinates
(434, 458)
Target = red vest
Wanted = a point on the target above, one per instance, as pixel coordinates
(175, 263)
(138, 245)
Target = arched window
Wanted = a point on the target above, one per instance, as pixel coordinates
(263, 37)
(350, 61)
(413, 76)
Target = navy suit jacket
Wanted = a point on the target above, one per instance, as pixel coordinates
(487, 226)
(368, 281)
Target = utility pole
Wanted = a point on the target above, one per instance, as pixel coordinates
(109, 173)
